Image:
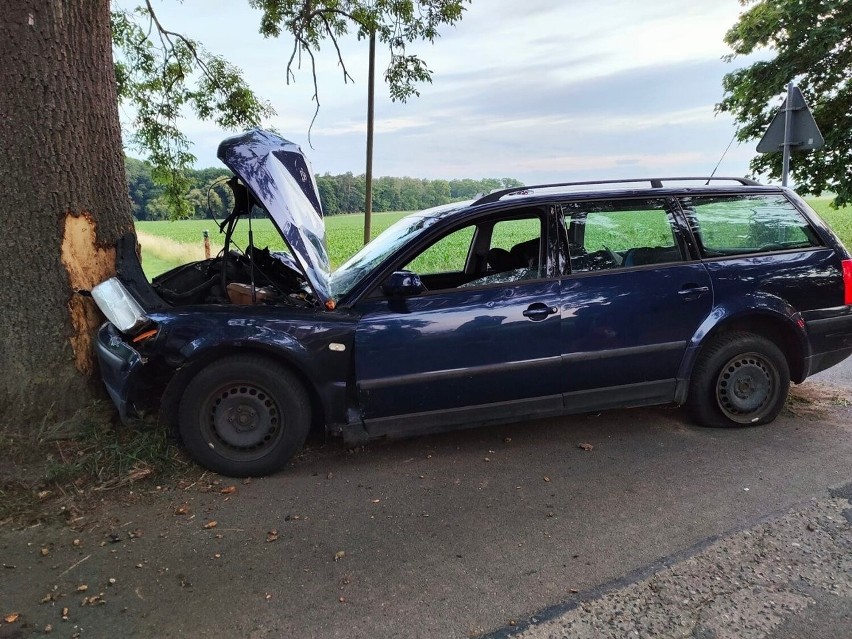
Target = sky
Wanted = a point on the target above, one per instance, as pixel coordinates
(538, 90)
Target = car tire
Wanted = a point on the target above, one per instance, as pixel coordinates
(740, 379)
(244, 416)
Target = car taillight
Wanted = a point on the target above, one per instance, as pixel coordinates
(847, 281)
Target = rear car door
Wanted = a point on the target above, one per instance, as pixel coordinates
(482, 344)
(634, 298)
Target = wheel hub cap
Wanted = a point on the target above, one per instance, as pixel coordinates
(744, 386)
(244, 417)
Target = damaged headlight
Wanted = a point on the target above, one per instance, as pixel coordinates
(119, 306)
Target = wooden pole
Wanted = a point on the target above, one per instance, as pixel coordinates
(368, 191)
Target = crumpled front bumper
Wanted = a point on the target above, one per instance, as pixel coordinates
(119, 364)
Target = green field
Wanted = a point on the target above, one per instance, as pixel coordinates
(167, 244)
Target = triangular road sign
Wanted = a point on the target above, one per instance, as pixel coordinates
(804, 132)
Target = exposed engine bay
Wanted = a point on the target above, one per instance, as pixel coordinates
(269, 275)
(252, 276)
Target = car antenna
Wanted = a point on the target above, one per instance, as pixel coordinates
(734, 137)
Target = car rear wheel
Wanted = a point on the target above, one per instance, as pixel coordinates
(244, 416)
(740, 379)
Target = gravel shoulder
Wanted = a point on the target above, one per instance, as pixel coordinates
(786, 577)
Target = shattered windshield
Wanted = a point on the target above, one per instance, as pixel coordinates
(373, 254)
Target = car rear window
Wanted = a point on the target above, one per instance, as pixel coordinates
(737, 225)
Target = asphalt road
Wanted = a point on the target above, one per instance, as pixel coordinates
(445, 536)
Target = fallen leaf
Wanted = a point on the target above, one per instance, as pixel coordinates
(217, 556)
(574, 591)
(330, 476)
(375, 501)
(268, 596)
(272, 535)
(546, 478)
(210, 524)
(183, 509)
(585, 446)
(65, 612)
(139, 473)
(48, 598)
(48, 629)
(488, 459)
(246, 481)
(340, 554)
(507, 440)
(82, 588)
(43, 494)
(94, 600)
(44, 552)
(12, 617)
(292, 518)
(228, 490)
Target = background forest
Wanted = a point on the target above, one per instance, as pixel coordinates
(339, 193)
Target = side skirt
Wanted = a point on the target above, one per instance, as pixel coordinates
(629, 396)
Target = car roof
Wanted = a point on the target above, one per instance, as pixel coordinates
(579, 191)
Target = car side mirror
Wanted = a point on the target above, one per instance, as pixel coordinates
(403, 284)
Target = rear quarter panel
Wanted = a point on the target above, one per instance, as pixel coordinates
(781, 288)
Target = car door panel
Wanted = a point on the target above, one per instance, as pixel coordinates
(631, 326)
(444, 351)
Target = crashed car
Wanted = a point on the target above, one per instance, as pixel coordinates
(557, 299)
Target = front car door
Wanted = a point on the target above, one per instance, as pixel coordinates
(633, 300)
(480, 345)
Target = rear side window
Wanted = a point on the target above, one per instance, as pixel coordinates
(620, 234)
(737, 225)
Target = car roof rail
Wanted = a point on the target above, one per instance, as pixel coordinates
(655, 183)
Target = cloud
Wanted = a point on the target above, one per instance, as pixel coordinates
(542, 91)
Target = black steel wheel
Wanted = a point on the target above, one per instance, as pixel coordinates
(740, 379)
(244, 416)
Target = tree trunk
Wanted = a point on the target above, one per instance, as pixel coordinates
(63, 199)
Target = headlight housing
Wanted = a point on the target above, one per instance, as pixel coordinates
(119, 306)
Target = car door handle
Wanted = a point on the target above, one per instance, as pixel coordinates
(539, 311)
(690, 292)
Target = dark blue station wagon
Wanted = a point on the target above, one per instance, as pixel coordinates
(527, 302)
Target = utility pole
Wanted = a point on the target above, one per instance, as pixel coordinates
(368, 191)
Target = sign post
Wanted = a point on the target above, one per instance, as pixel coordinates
(792, 128)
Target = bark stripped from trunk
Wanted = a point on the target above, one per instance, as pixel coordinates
(63, 198)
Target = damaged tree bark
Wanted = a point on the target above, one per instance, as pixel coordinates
(63, 200)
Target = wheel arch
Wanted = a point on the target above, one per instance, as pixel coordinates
(785, 330)
(176, 386)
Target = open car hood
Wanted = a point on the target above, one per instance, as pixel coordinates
(280, 177)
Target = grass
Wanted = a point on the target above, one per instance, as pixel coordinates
(61, 466)
(840, 220)
(168, 244)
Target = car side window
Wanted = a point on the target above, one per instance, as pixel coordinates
(447, 255)
(620, 234)
(743, 224)
(491, 251)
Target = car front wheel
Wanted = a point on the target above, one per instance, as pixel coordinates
(739, 379)
(244, 416)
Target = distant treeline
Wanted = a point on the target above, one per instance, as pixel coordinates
(339, 193)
